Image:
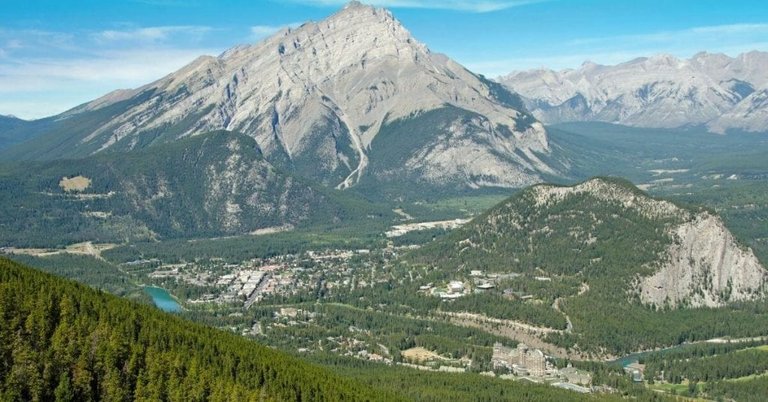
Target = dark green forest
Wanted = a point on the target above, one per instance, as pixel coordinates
(62, 341)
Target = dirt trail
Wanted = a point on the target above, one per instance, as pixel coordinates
(524, 333)
(86, 248)
(556, 306)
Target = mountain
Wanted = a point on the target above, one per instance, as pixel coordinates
(66, 342)
(9, 121)
(331, 101)
(213, 184)
(14, 130)
(713, 90)
(751, 114)
(698, 263)
(598, 253)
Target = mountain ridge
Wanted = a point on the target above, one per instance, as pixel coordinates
(662, 91)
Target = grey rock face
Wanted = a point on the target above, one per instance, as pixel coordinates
(705, 267)
(316, 96)
(661, 91)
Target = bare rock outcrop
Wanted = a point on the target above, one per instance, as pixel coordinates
(705, 267)
(610, 192)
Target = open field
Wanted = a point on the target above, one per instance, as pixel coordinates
(77, 183)
(85, 248)
(420, 354)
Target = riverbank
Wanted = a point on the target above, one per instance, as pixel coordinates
(635, 356)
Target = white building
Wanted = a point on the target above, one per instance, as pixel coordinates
(456, 286)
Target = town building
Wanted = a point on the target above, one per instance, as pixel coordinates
(485, 286)
(456, 286)
(521, 360)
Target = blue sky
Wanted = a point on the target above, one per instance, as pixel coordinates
(56, 54)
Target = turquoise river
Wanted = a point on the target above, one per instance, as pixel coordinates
(162, 299)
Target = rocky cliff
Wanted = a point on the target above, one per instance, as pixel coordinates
(704, 267)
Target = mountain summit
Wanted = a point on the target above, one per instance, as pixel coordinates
(317, 99)
(660, 91)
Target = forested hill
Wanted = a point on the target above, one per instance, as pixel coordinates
(60, 341)
(213, 184)
(628, 271)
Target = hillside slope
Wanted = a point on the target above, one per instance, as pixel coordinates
(63, 341)
(214, 184)
(611, 258)
(14, 130)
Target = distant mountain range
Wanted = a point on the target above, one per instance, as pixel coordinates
(711, 90)
(353, 98)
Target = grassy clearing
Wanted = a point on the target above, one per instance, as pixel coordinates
(420, 354)
(676, 388)
(77, 183)
(454, 207)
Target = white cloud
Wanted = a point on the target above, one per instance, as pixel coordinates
(56, 85)
(478, 6)
(36, 39)
(119, 66)
(152, 34)
(732, 29)
(14, 44)
(58, 71)
(262, 31)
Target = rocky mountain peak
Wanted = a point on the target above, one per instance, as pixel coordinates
(356, 35)
(353, 4)
(355, 11)
(664, 59)
(709, 89)
(315, 97)
(369, 28)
